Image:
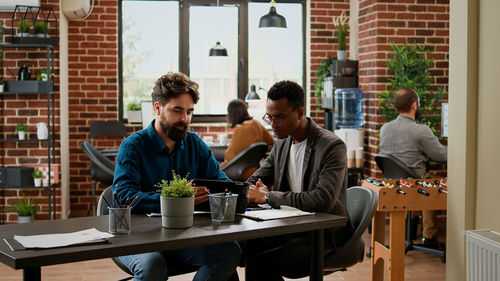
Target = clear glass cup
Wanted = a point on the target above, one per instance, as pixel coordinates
(119, 220)
(222, 206)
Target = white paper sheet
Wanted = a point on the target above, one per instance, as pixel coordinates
(271, 214)
(90, 235)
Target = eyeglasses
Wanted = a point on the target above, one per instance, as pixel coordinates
(276, 119)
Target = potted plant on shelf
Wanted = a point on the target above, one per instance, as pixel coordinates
(24, 28)
(41, 29)
(341, 25)
(25, 210)
(176, 202)
(21, 130)
(37, 177)
(134, 112)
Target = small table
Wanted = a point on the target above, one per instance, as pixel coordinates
(148, 236)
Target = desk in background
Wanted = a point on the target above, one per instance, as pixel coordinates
(148, 236)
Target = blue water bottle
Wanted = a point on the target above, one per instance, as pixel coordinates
(349, 108)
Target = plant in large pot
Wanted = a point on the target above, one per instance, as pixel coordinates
(176, 202)
(341, 25)
(21, 130)
(134, 112)
(25, 210)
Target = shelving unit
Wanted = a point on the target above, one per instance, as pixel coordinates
(48, 91)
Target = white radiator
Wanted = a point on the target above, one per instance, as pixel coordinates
(482, 255)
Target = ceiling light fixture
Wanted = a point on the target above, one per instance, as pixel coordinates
(272, 19)
(217, 50)
(252, 95)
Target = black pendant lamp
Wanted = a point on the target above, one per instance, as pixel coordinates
(217, 50)
(252, 95)
(272, 19)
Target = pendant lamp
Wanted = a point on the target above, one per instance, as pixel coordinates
(272, 19)
(217, 50)
(252, 95)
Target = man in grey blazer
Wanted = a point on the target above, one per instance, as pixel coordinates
(306, 169)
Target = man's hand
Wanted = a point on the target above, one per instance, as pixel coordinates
(200, 194)
(256, 193)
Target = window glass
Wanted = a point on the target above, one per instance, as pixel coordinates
(217, 76)
(150, 39)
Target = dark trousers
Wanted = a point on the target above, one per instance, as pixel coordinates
(274, 257)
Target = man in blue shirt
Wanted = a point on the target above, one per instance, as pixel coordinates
(152, 154)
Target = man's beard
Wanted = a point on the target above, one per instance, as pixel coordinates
(174, 133)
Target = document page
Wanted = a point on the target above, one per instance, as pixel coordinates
(271, 214)
(90, 235)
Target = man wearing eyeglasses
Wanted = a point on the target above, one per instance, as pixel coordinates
(307, 169)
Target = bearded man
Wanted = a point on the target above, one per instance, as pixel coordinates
(155, 153)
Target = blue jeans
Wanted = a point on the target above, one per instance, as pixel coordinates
(215, 262)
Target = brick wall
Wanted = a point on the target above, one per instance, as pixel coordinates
(401, 21)
(27, 109)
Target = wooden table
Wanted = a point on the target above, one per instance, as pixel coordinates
(397, 204)
(147, 235)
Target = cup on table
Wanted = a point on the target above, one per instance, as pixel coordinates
(119, 220)
(222, 206)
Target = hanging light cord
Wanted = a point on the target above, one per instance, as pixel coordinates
(218, 23)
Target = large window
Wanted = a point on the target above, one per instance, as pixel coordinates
(162, 36)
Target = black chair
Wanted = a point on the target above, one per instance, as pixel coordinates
(102, 169)
(361, 205)
(394, 168)
(173, 268)
(107, 129)
(249, 157)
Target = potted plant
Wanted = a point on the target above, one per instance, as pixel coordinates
(341, 25)
(25, 210)
(134, 112)
(41, 29)
(24, 28)
(176, 202)
(37, 177)
(21, 130)
(322, 72)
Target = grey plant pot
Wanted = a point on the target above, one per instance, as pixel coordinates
(24, 219)
(177, 212)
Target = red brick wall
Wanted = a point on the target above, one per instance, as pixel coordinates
(401, 21)
(28, 109)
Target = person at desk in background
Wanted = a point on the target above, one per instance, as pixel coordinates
(308, 169)
(412, 143)
(152, 154)
(246, 132)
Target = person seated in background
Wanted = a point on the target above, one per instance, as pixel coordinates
(246, 132)
(412, 143)
(308, 169)
(154, 154)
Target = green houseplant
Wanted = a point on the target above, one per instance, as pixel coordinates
(322, 72)
(23, 28)
(37, 177)
(21, 130)
(411, 68)
(134, 112)
(41, 29)
(176, 202)
(341, 25)
(25, 210)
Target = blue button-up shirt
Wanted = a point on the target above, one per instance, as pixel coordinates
(143, 160)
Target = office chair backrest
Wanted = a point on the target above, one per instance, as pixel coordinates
(101, 168)
(361, 205)
(394, 168)
(249, 157)
(107, 129)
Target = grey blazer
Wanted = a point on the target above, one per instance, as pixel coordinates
(324, 178)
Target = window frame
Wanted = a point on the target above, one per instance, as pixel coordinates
(242, 79)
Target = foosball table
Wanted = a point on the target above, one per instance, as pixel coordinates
(398, 196)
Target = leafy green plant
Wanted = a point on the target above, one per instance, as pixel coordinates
(24, 26)
(21, 127)
(41, 27)
(322, 72)
(341, 25)
(134, 106)
(411, 68)
(176, 188)
(25, 207)
(37, 174)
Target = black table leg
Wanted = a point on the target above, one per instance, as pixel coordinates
(317, 255)
(32, 274)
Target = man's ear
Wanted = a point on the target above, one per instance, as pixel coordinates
(156, 108)
(301, 112)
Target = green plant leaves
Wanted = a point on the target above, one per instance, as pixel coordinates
(322, 72)
(178, 187)
(24, 207)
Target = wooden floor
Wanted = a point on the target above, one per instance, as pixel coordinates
(418, 267)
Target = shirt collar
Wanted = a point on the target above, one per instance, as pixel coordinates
(158, 143)
(401, 117)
